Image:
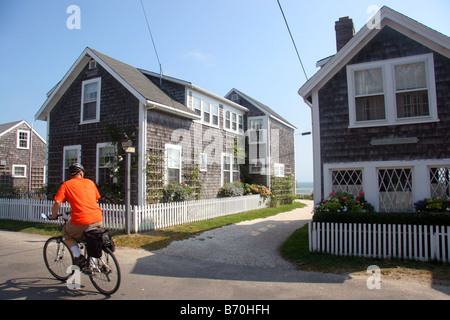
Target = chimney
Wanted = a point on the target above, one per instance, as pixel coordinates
(345, 31)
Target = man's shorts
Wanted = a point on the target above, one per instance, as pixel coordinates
(72, 232)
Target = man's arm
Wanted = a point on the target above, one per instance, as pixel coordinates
(55, 209)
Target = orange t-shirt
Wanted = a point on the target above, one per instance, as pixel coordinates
(82, 195)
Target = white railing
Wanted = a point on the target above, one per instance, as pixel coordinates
(413, 242)
(148, 217)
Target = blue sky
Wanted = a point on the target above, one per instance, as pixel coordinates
(218, 45)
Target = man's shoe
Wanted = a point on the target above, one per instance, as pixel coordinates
(80, 262)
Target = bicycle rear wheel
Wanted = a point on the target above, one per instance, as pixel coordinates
(57, 258)
(105, 273)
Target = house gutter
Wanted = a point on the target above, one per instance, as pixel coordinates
(158, 106)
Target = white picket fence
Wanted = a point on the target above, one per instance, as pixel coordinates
(413, 242)
(148, 217)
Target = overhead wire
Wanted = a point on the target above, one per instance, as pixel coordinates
(287, 25)
(154, 46)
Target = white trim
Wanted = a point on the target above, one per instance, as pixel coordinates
(98, 81)
(317, 178)
(142, 152)
(24, 166)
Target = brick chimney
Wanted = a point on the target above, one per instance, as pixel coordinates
(345, 30)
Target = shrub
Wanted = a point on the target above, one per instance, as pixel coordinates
(175, 192)
(262, 190)
(234, 189)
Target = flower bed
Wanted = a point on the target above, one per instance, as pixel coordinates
(433, 205)
(344, 202)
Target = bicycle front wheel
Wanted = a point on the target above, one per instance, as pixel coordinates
(105, 273)
(58, 258)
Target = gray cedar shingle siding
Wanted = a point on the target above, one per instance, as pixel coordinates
(341, 144)
(117, 106)
(15, 156)
(161, 129)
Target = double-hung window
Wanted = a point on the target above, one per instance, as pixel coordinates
(71, 155)
(411, 90)
(206, 109)
(23, 139)
(230, 168)
(173, 163)
(106, 160)
(90, 101)
(369, 95)
(233, 121)
(392, 92)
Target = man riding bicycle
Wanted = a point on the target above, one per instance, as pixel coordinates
(82, 194)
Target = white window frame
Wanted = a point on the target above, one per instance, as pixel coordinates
(201, 110)
(23, 166)
(97, 109)
(388, 76)
(27, 140)
(67, 148)
(99, 147)
(203, 162)
(278, 169)
(235, 117)
(176, 147)
(232, 168)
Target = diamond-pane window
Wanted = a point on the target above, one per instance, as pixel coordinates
(440, 182)
(349, 181)
(395, 190)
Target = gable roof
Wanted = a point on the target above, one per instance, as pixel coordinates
(265, 109)
(7, 127)
(130, 77)
(386, 17)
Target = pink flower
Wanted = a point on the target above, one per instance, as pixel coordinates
(332, 194)
(344, 198)
(361, 193)
(358, 202)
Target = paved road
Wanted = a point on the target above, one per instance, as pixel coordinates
(215, 265)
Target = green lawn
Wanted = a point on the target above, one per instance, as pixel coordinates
(296, 249)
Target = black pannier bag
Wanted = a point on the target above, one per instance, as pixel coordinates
(94, 242)
(107, 241)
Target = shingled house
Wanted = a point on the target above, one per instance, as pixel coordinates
(22, 158)
(175, 127)
(381, 113)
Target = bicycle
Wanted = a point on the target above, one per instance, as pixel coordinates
(104, 272)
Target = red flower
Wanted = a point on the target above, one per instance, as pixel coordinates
(332, 194)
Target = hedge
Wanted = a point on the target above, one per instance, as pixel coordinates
(383, 218)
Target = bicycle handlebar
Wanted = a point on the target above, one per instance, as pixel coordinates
(65, 216)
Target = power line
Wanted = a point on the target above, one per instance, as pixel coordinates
(298, 55)
(151, 36)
